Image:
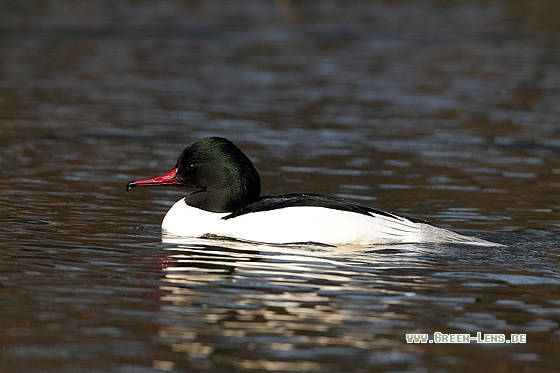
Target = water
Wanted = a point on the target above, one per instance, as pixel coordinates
(444, 111)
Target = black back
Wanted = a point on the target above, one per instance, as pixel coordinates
(290, 200)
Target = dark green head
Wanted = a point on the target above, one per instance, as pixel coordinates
(224, 177)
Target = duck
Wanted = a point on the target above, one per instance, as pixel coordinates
(225, 202)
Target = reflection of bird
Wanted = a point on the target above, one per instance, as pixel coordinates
(226, 202)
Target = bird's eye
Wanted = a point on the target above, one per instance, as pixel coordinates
(191, 167)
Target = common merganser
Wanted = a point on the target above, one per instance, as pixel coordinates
(227, 203)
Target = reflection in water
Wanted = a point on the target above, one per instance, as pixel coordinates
(282, 308)
(234, 305)
(296, 308)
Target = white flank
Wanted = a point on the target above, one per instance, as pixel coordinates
(306, 224)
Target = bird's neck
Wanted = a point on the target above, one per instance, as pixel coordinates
(219, 200)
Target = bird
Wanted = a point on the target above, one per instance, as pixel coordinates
(225, 202)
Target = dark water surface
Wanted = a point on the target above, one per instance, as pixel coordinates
(447, 111)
